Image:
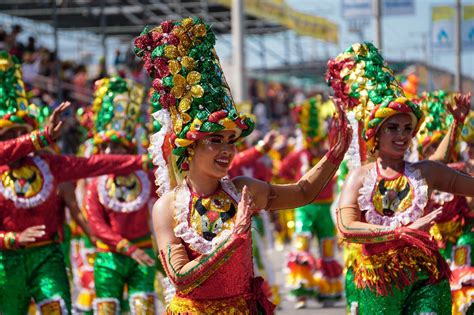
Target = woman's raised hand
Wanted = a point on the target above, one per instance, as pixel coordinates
(55, 124)
(244, 213)
(340, 134)
(462, 106)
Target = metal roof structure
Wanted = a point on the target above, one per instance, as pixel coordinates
(127, 17)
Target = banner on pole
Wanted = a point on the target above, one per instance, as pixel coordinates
(357, 8)
(467, 28)
(442, 27)
(398, 7)
(280, 12)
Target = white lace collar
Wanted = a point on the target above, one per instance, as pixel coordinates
(119, 206)
(186, 232)
(415, 211)
(43, 195)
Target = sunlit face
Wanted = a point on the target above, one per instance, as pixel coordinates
(214, 153)
(395, 134)
(13, 133)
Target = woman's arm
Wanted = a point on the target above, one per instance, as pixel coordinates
(443, 178)
(274, 197)
(184, 273)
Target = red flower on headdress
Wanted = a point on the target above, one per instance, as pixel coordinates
(144, 42)
(167, 26)
(161, 66)
(148, 63)
(157, 85)
(167, 100)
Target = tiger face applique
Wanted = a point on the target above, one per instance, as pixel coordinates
(394, 201)
(29, 185)
(124, 193)
(393, 196)
(212, 215)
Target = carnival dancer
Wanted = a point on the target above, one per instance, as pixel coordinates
(117, 206)
(383, 203)
(201, 227)
(310, 277)
(462, 259)
(437, 140)
(31, 260)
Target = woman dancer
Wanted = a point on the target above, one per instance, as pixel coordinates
(383, 203)
(202, 225)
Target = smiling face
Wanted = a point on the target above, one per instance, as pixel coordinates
(214, 153)
(395, 134)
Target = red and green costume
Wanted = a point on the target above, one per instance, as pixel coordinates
(28, 198)
(118, 206)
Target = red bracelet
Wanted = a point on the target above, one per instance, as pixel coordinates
(17, 240)
(47, 135)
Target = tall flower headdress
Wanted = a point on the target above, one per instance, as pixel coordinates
(437, 118)
(367, 86)
(191, 96)
(15, 109)
(313, 116)
(116, 109)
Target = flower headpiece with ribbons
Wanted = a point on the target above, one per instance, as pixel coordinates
(437, 118)
(15, 109)
(312, 116)
(191, 96)
(366, 85)
(116, 109)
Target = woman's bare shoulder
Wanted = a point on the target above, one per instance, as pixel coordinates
(358, 174)
(164, 205)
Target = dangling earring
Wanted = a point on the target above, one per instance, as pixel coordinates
(375, 147)
(190, 154)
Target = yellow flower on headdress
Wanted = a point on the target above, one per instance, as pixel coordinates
(188, 31)
(186, 89)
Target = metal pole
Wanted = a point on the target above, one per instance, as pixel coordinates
(56, 53)
(457, 48)
(287, 47)
(103, 26)
(238, 56)
(378, 24)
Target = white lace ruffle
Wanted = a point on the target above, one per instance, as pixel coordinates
(415, 211)
(353, 152)
(162, 176)
(41, 197)
(125, 207)
(186, 232)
